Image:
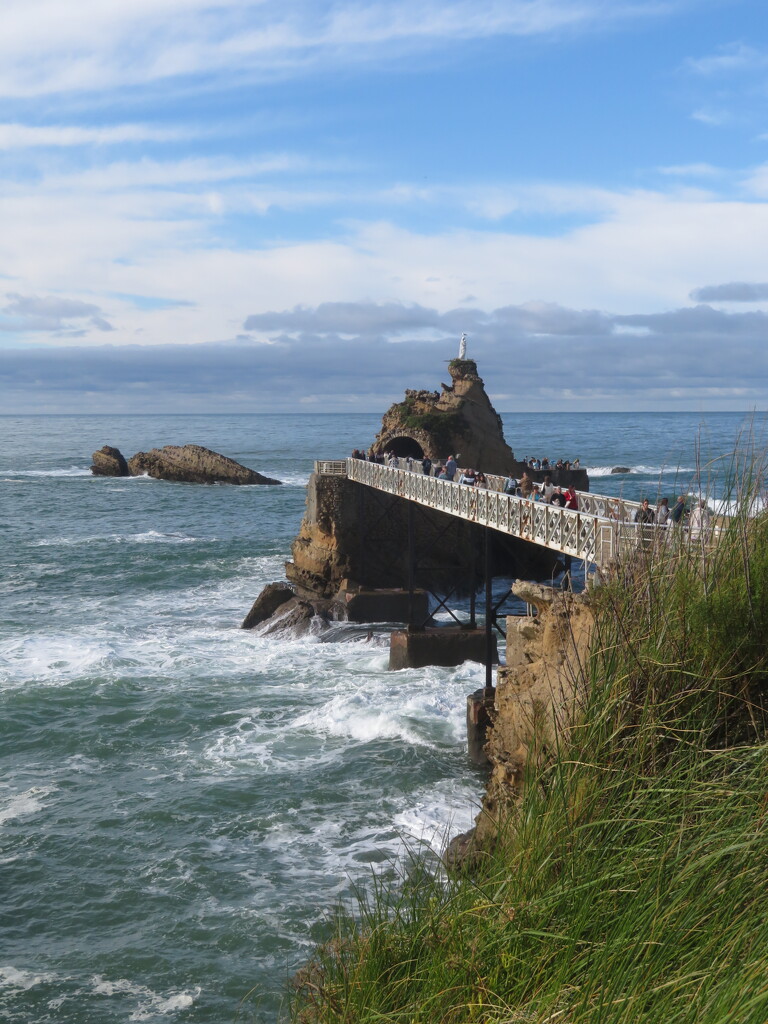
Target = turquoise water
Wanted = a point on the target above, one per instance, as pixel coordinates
(181, 802)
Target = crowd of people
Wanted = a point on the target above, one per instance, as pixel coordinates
(544, 464)
(698, 519)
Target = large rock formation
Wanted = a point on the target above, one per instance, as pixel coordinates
(109, 461)
(191, 463)
(461, 421)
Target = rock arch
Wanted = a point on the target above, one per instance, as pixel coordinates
(403, 446)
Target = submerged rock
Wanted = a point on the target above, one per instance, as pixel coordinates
(295, 617)
(191, 463)
(109, 461)
(620, 469)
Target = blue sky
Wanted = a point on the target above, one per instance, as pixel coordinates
(214, 205)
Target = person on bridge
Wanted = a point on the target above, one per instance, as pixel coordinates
(571, 499)
(700, 522)
(450, 468)
(526, 485)
(426, 465)
(678, 512)
(547, 488)
(511, 485)
(644, 514)
(662, 512)
(558, 498)
(468, 477)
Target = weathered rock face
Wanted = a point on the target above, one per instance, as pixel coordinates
(191, 463)
(352, 533)
(109, 461)
(461, 421)
(537, 695)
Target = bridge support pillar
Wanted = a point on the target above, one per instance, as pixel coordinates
(441, 646)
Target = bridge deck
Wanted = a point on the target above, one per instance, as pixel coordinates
(600, 531)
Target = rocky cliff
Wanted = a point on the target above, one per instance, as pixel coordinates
(537, 701)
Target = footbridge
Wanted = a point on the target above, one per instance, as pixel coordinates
(600, 531)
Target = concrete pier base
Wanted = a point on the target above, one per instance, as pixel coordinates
(385, 605)
(479, 710)
(448, 646)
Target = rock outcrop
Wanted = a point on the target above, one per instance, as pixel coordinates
(459, 421)
(189, 463)
(266, 604)
(109, 461)
(193, 464)
(537, 700)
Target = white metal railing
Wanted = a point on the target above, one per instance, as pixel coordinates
(600, 531)
(332, 467)
(604, 505)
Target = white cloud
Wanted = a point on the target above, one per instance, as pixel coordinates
(732, 57)
(692, 171)
(22, 136)
(48, 47)
(713, 117)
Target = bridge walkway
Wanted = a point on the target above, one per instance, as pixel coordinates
(601, 531)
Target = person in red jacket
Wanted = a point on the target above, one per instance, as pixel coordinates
(571, 499)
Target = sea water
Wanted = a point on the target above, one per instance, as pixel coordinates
(182, 803)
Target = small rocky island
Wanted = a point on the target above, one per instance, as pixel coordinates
(189, 464)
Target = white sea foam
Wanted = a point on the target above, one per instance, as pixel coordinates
(21, 980)
(440, 812)
(51, 660)
(147, 537)
(149, 1003)
(295, 479)
(595, 471)
(71, 471)
(22, 805)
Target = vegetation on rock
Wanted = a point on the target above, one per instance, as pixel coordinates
(444, 427)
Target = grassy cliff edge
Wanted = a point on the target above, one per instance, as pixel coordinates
(626, 884)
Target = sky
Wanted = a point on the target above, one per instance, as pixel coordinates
(262, 206)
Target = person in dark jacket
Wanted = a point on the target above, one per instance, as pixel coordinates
(645, 513)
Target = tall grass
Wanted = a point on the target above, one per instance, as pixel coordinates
(630, 885)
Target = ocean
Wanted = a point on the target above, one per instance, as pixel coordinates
(182, 803)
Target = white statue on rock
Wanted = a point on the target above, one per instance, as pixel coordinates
(463, 346)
